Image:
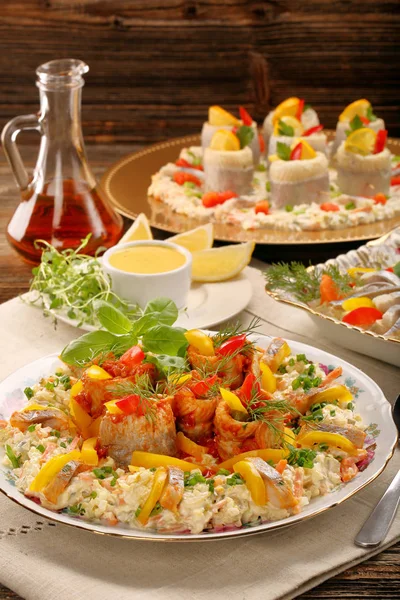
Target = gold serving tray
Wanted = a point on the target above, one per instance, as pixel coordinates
(127, 181)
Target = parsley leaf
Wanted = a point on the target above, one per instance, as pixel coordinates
(283, 151)
(284, 129)
(370, 114)
(354, 124)
(245, 135)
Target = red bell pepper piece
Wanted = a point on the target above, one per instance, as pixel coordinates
(329, 207)
(380, 141)
(395, 180)
(328, 290)
(232, 345)
(296, 152)
(180, 178)
(312, 130)
(390, 269)
(364, 120)
(181, 162)
(132, 404)
(380, 198)
(201, 388)
(133, 356)
(262, 207)
(261, 142)
(211, 199)
(245, 117)
(300, 110)
(362, 316)
(250, 387)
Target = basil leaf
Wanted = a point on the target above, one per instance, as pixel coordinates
(166, 365)
(284, 129)
(245, 135)
(112, 319)
(162, 310)
(283, 151)
(81, 351)
(163, 339)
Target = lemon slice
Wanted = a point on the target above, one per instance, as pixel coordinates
(224, 140)
(307, 151)
(219, 264)
(287, 108)
(361, 141)
(292, 122)
(139, 230)
(195, 240)
(217, 117)
(359, 107)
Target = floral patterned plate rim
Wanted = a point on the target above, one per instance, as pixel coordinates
(370, 402)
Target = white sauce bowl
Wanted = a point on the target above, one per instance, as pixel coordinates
(140, 288)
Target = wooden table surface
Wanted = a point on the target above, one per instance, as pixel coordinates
(375, 579)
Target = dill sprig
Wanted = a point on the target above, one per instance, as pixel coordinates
(236, 329)
(73, 281)
(303, 282)
(142, 387)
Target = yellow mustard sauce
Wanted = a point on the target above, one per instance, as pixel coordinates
(147, 259)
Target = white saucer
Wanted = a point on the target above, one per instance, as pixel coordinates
(208, 304)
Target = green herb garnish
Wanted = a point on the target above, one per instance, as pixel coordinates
(268, 186)
(235, 479)
(349, 206)
(28, 391)
(15, 460)
(245, 133)
(289, 208)
(301, 457)
(41, 448)
(138, 511)
(223, 472)
(370, 114)
(354, 124)
(76, 509)
(156, 510)
(284, 129)
(350, 406)
(283, 151)
(93, 495)
(31, 428)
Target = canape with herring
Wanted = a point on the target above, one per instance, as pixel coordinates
(357, 114)
(364, 163)
(298, 175)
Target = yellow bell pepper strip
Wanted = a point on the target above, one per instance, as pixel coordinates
(51, 468)
(233, 401)
(36, 407)
(112, 407)
(336, 392)
(323, 437)
(94, 427)
(88, 452)
(354, 271)
(289, 436)
(254, 481)
(149, 460)
(268, 380)
(275, 353)
(96, 372)
(186, 445)
(200, 341)
(179, 380)
(272, 454)
(352, 303)
(80, 417)
(160, 477)
(133, 469)
(76, 389)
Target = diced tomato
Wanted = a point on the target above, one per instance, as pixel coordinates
(390, 269)
(132, 404)
(232, 345)
(300, 109)
(211, 199)
(328, 290)
(262, 207)
(261, 142)
(312, 130)
(380, 141)
(133, 356)
(180, 178)
(181, 162)
(364, 120)
(380, 198)
(348, 468)
(296, 152)
(329, 207)
(362, 316)
(201, 388)
(395, 180)
(249, 386)
(245, 117)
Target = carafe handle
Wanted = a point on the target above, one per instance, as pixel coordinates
(9, 141)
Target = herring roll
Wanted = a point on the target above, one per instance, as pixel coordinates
(359, 175)
(228, 170)
(295, 182)
(358, 113)
(294, 107)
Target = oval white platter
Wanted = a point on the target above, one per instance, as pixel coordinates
(208, 304)
(370, 401)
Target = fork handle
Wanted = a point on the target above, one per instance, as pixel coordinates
(375, 528)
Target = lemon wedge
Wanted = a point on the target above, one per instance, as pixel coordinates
(139, 230)
(361, 141)
(219, 264)
(195, 240)
(292, 122)
(307, 151)
(287, 108)
(359, 107)
(225, 140)
(217, 117)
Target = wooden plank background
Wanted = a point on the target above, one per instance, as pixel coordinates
(156, 65)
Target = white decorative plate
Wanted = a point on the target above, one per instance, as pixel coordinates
(383, 250)
(371, 404)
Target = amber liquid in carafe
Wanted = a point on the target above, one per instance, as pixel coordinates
(69, 210)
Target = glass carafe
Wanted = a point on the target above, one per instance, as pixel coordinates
(60, 202)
